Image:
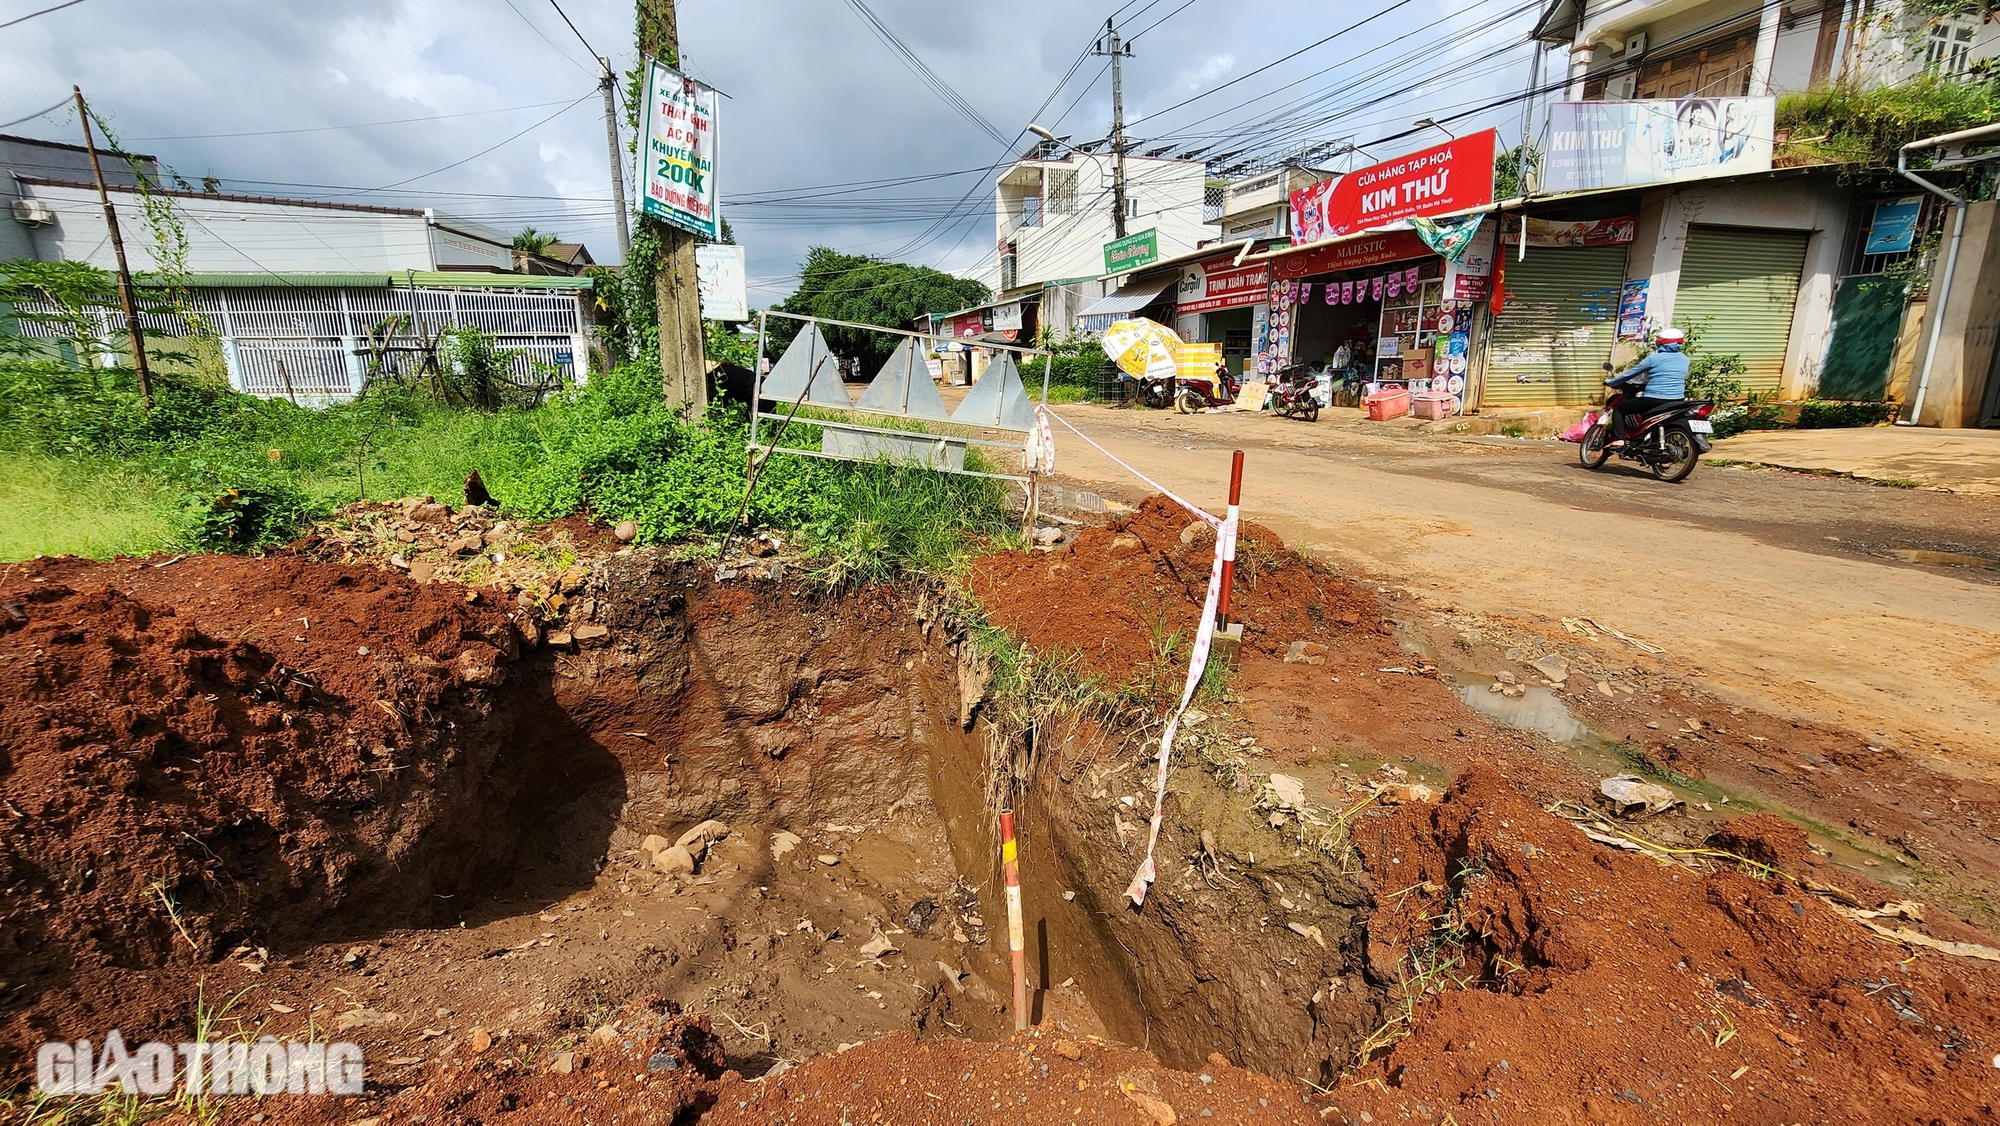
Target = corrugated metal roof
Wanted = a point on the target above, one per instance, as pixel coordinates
(267, 279)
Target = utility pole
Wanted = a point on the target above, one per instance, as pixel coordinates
(1119, 50)
(132, 330)
(607, 82)
(683, 368)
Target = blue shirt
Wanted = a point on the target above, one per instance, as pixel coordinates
(1666, 375)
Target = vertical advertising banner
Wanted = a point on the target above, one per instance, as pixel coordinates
(1454, 176)
(1659, 141)
(677, 155)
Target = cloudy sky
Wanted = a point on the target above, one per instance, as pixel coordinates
(287, 97)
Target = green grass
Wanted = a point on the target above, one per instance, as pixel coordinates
(69, 506)
(87, 471)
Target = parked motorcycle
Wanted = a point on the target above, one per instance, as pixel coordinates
(1668, 436)
(1295, 393)
(1189, 395)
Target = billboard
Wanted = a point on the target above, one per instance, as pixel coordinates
(1454, 176)
(1626, 144)
(677, 157)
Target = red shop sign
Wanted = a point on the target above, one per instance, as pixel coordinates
(1353, 254)
(969, 324)
(1216, 284)
(1454, 176)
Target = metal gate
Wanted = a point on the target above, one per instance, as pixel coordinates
(1738, 289)
(1555, 331)
(1867, 317)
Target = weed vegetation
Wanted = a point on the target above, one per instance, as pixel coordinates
(88, 471)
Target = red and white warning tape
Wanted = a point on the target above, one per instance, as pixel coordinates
(1204, 640)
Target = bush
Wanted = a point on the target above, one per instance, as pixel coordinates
(617, 449)
(1851, 125)
(1821, 414)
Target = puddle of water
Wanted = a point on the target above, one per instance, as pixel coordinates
(1944, 558)
(1539, 710)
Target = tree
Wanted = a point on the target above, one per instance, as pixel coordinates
(1508, 167)
(533, 241)
(851, 287)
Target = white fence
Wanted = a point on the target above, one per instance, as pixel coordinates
(311, 344)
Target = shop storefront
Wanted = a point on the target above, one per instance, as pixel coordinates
(1381, 310)
(1560, 313)
(1218, 302)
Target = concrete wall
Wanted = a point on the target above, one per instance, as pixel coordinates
(1817, 204)
(1969, 323)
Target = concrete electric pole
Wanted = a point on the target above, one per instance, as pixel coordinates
(606, 81)
(1119, 50)
(683, 368)
(125, 298)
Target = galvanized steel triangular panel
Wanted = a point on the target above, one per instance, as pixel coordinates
(788, 376)
(904, 387)
(997, 399)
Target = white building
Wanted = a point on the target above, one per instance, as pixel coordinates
(63, 220)
(1053, 217)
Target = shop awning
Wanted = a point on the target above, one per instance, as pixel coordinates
(1129, 298)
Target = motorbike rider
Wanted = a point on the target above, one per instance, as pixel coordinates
(1660, 377)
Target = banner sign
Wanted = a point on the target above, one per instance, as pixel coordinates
(1659, 141)
(1216, 284)
(1454, 176)
(1353, 254)
(677, 163)
(1007, 318)
(1132, 251)
(720, 276)
(1591, 232)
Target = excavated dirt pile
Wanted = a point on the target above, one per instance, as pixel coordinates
(728, 853)
(194, 754)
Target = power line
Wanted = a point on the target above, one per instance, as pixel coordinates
(929, 77)
(43, 12)
(552, 46)
(1134, 38)
(339, 128)
(573, 30)
(32, 116)
(481, 152)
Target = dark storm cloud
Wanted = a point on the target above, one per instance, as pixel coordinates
(814, 98)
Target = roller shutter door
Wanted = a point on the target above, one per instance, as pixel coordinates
(1553, 336)
(1737, 290)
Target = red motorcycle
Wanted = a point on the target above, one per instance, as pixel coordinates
(1190, 395)
(1292, 395)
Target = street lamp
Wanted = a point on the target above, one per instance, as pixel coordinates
(1044, 134)
(1431, 123)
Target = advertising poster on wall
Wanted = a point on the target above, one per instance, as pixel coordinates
(1471, 277)
(677, 164)
(1632, 309)
(1658, 141)
(720, 276)
(1894, 229)
(1455, 176)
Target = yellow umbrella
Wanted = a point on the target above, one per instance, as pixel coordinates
(1142, 347)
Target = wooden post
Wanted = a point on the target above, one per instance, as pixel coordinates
(1229, 557)
(125, 299)
(683, 367)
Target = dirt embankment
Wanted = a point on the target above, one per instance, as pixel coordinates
(1524, 971)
